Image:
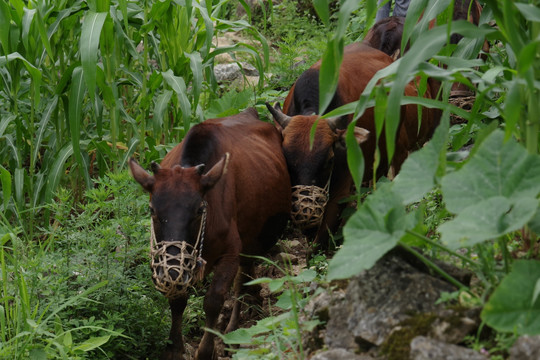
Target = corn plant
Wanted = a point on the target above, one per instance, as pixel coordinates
(85, 85)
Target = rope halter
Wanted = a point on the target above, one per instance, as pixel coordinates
(174, 274)
(309, 202)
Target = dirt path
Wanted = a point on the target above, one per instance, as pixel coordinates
(289, 253)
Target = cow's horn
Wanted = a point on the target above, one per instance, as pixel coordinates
(154, 166)
(336, 123)
(282, 119)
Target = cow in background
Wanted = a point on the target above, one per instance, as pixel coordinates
(224, 190)
(320, 175)
(387, 33)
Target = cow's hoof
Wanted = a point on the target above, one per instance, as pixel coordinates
(204, 355)
(171, 353)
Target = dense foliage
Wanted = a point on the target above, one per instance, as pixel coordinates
(86, 85)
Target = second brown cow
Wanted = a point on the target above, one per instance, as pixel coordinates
(320, 175)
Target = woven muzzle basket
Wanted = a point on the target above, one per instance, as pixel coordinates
(174, 274)
(309, 202)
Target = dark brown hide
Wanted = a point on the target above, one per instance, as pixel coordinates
(386, 36)
(248, 195)
(328, 155)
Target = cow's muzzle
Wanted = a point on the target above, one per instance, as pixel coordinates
(177, 265)
(308, 204)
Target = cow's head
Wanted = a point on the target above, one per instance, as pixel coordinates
(178, 213)
(311, 168)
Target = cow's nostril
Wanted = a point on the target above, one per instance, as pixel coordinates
(173, 274)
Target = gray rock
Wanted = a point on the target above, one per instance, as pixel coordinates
(319, 306)
(378, 300)
(423, 348)
(293, 244)
(286, 258)
(452, 326)
(526, 348)
(229, 72)
(340, 354)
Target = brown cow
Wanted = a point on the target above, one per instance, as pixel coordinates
(240, 205)
(324, 167)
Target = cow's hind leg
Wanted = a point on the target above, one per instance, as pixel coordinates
(224, 274)
(245, 274)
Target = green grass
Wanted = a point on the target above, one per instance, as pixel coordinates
(105, 242)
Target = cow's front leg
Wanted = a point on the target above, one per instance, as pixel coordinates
(224, 274)
(175, 348)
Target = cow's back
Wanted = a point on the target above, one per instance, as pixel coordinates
(360, 63)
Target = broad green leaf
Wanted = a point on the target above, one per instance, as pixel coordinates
(514, 305)
(43, 35)
(38, 186)
(417, 176)
(345, 10)
(38, 354)
(18, 185)
(4, 123)
(321, 6)
(487, 219)
(355, 157)
(5, 180)
(68, 339)
(90, 33)
(56, 171)
(178, 85)
(529, 11)
(162, 102)
(5, 25)
(534, 223)
(27, 21)
(45, 119)
(132, 146)
(512, 107)
(329, 72)
(276, 284)
(34, 72)
(76, 99)
(305, 276)
(92, 343)
(496, 169)
(228, 104)
(238, 336)
(196, 65)
(375, 228)
(285, 300)
(209, 28)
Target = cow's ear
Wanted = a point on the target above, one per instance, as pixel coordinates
(141, 176)
(215, 173)
(360, 134)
